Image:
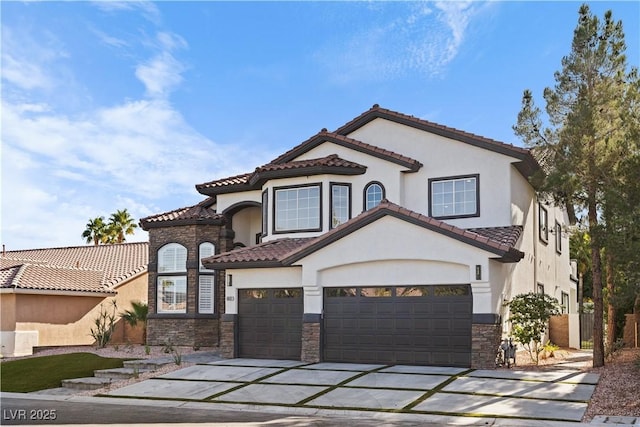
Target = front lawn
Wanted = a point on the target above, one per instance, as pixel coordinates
(39, 373)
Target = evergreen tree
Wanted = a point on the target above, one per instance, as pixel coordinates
(583, 146)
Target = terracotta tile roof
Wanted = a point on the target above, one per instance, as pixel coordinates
(506, 235)
(528, 164)
(329, 164)
(230, 184)
(262, 255)
(498, 240)
(201, 213)
(76, 269)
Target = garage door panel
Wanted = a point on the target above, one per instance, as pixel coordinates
(388, 327)
(270, 323)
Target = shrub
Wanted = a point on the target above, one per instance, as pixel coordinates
(529, 315)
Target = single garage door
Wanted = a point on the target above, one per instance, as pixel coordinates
(270, 323)
(420, 325)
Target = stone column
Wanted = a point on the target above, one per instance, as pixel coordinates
(311, 351)
(228, 324)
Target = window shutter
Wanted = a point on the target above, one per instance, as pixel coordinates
(206, 292)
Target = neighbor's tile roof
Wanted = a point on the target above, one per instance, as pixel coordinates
(200, 213)
(498, 240)
(76, 269)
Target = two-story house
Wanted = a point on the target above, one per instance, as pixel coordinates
(389, 240)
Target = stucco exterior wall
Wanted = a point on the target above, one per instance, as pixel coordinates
(62, 320)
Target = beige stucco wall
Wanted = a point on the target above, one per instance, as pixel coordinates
(62, 320)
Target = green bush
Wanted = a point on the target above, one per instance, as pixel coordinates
(529, 315)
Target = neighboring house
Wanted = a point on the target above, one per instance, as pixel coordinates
(389, 240)
(51, 297)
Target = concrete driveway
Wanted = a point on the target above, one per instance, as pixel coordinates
(556, 395)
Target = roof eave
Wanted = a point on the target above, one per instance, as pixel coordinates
(234, 265)
(261, 177)
(53, 292)
(181, 222)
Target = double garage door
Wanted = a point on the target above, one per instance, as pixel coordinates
(422, 325)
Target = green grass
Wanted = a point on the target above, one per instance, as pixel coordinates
(39, 373)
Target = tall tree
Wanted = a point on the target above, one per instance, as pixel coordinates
(584, 142)
(121, 224)
(95, 231)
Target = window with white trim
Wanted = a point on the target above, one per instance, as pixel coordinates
(297, 209)
(340, 204)
(172, 294)
(172, 258)
(373, 195)
(543, 224)
(206, 250)
(206, 293)
(454, 197)
(558, 236)
(565, 303)
(265, 213)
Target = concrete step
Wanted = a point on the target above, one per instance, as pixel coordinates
(87, 383)
(120, 373)
(148, 365)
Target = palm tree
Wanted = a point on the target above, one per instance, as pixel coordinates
(120, 224)
(138, 313)
(96, 231)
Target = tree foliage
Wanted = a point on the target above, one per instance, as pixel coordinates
(137, 314)
(529, 315)
(120, 225)
(589, 140)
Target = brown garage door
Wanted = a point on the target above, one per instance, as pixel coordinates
(270, 323)
(421, 325)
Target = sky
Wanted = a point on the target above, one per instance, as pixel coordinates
(114, 105)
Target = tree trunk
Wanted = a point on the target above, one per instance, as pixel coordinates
(611, 308)
(598, 307)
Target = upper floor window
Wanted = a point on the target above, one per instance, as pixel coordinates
(565, 303)
(172, 258)
(454, 197)
(543, 224)
(206, 250)
(265, 213)
(340, 204)
(373, 195)
(297, 209)
(558, 236)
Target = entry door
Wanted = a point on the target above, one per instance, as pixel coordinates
(422, 325)
(270, 323)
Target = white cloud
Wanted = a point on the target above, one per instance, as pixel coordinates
(424, 40)
(60, 169)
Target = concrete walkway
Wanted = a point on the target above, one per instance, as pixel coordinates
(558, 395)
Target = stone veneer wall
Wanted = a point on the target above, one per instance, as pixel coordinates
(228, 336)
(484, 344)
(559, 330)
(190, 328)
(310, 342)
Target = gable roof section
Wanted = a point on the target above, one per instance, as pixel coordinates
(202, 213)
(81, 269)
(344, 141)
(331, 164)
(499, 241)
(527, 165)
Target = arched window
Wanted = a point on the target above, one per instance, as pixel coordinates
(172, 282)
(172, 258)
(206, 250)
(373, 195)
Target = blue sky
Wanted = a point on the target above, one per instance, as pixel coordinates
(112, 105)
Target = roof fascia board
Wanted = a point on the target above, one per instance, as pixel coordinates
(241, 265)
(326, 137)
(180, 222)
(261, 177)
